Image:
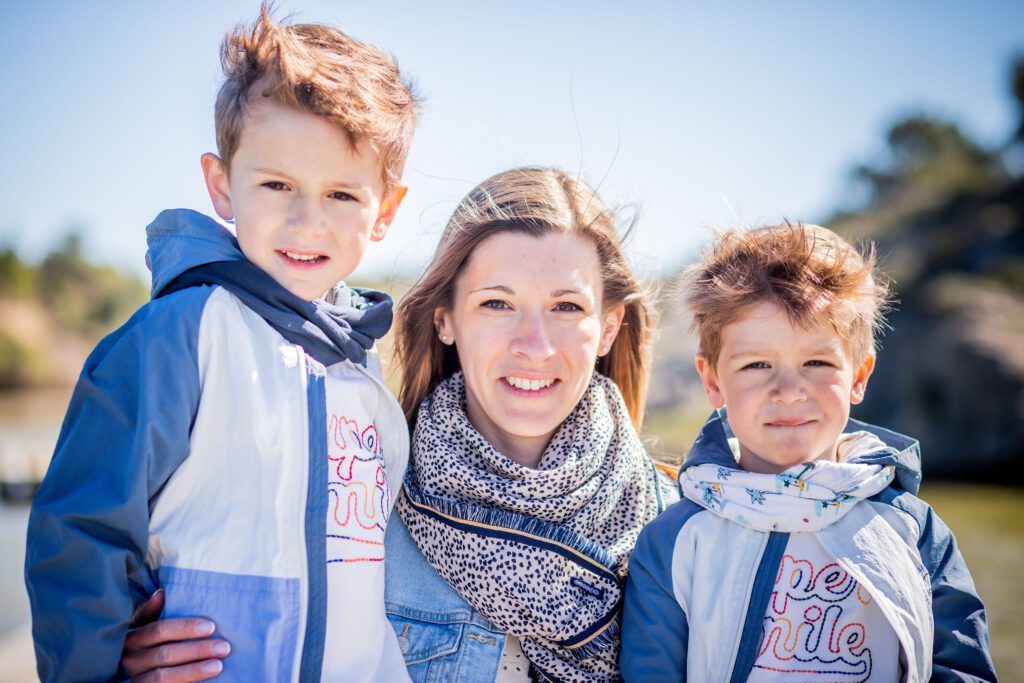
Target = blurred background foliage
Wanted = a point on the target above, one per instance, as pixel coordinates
(945, 212)
(946, 215)
(52, 312)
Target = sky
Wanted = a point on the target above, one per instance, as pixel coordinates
(691, 116)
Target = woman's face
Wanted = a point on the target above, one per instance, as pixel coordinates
(528, 323)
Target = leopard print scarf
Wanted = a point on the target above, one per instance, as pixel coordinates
(540, 552)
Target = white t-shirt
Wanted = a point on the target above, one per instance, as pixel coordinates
(821, 625)
(360, 643)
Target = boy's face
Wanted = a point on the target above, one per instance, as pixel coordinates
(304, 201)
(788, 390)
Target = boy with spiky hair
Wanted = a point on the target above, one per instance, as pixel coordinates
(212, 437)
(801, 552)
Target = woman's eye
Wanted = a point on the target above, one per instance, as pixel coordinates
(756, 365)
(343, 196)
(568, 306)
(496, 304)
(275, 185)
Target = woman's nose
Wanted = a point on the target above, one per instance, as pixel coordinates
(532, 337)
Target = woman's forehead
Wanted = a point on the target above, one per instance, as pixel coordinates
(556, 261)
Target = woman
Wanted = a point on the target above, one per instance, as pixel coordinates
(528, 484)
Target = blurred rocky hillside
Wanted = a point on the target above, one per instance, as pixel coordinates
(947, 216)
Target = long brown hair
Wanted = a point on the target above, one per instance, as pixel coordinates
(534, 201)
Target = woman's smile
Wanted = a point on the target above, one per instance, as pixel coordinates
(527, 321)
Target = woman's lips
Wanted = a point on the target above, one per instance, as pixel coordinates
(526, 386)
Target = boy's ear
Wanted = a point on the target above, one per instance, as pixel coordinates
(860, 380)
(388, 208)
(216, 175)
(709, 379)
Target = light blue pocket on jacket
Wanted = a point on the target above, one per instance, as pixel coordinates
(423, 640)
(258, 615)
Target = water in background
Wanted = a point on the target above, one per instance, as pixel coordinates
(987, 521)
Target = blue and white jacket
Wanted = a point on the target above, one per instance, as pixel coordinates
(193, 458)
(699, 583)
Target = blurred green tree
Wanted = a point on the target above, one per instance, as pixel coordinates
(17, 278)
(929, 154)
(86, 298)
(1017, 89)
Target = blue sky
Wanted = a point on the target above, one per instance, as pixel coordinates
(701, 115)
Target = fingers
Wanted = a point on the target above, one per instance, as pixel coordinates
(168, 631)
(167, 658)
(198, 671)
(149, 610)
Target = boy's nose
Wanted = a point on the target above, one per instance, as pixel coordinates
(788, 388)
(306, 216)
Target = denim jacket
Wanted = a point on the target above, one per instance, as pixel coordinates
(441, 636)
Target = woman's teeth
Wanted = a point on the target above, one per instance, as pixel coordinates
(529, 384)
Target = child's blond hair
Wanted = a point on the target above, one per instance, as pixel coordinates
(319, 69)
(810, 272)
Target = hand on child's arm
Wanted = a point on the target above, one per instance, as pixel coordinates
(166, 650)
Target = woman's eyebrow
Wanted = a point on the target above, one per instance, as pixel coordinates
(499, 288)
(563, 292)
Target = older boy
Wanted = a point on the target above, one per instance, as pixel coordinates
(801, 552)
(212, 436)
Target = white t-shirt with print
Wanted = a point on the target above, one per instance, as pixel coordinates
(360, 643)
(821, 625)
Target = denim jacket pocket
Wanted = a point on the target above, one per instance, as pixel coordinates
(421, 640)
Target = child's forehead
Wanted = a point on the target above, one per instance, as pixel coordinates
(767, 326)
(282, 138)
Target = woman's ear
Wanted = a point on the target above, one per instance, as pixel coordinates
(443, 326)
(611, 323)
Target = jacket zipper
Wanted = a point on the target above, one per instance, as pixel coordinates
(314, 515)
(760, 593)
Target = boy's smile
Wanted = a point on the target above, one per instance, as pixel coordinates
(304, 200)
(788, 390)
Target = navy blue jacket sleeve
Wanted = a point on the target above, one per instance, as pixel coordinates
(126, 430)
(961, 651)
(655, 630)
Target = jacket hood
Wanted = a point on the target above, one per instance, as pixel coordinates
(181, 239)
(902, 452)
(188, 249)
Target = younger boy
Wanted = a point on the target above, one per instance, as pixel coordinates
(211, 437)
(801, 552)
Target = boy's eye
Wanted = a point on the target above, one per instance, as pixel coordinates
(756, 365)
(819, 363)
(496, 305)
(275, 185)
(343, 196)
(568, 306)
